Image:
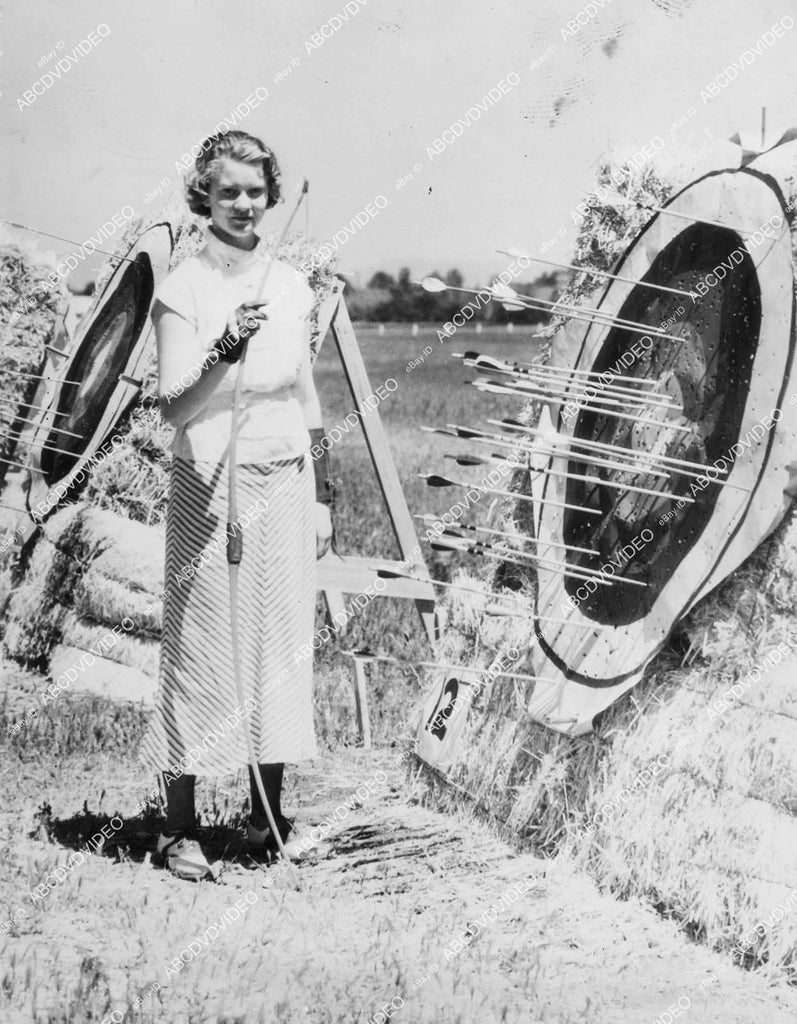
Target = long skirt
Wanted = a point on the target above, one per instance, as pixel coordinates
(199, 720)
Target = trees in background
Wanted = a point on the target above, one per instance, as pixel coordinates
(388, 299)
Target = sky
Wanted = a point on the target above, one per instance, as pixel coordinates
(360, 111)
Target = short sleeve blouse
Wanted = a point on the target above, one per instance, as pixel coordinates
(204, 290)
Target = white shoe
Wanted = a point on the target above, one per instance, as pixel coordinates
(183, 856)
(298, 848)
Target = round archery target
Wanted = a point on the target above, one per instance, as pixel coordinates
(105, 361)
(690, 418)
(694, 449)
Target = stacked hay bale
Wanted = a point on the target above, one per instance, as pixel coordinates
(710, 836)
(686, 791)
(29, 307)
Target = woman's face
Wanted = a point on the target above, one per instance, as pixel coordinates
(237, 200)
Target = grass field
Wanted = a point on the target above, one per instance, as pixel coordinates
(431, 394)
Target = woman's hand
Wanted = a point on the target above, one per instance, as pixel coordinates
(323, 529)
(242, 323)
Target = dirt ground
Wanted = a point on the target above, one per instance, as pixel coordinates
(422, 917)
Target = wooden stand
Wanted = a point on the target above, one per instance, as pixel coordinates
(339, 574)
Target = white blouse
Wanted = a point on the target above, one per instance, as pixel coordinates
(204, 290)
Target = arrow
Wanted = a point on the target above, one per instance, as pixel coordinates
(434, 480)
(520, 253)
(434, 284)
(430, 518)
(549, 375)
(392, 574)
(497, 388)
(474, 460)
(480, 547)
(365, 655)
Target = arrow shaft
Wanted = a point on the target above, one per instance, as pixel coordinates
(615, 321)
(607, 396)
(682, 465)
(38, 376)
(640, 396)
(508, 390)
(519, 497)
(527, 560)
(36, 444)
(70, 241)
(589, 374)
(429, 518)
(517, 613)
(27, 405)
(531, 302)
(543, 376)
(684, 216)
(22, 465)
(449, 667)
(598, 481)
(602, 273)
(590, 460)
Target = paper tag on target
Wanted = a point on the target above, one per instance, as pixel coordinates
(445, 713)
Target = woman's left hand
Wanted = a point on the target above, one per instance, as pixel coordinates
(323, 529)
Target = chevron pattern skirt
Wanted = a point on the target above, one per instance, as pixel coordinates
(199, 721)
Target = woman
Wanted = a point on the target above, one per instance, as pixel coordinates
(207, 310)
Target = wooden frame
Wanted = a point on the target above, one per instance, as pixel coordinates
(339, 574)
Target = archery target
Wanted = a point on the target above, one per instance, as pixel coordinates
(715, 394)
(107, 357)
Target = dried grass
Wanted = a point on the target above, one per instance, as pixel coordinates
(33, 613)
(29, 307)
(128, 648)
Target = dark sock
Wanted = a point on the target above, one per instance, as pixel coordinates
(271, 774)
(180, 807)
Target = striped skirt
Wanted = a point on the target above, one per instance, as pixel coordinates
(199, 720)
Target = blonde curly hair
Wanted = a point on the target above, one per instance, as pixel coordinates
(234, 146)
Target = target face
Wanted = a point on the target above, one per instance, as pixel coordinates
(679, 476)
(107, 358)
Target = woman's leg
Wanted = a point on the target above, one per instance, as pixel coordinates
(180, 807)
(176, 844)
(271, 774)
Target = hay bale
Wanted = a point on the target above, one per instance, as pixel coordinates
(29, 307)
(33, 614)
(89, 570)
(106, 602)
(100, 676)
(127, 649)
(127, 552)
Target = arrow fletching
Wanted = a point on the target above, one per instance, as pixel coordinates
(488, 363)
(467, 432)
(433, 480)
(467, 460)
(433, 284)
(506, 295)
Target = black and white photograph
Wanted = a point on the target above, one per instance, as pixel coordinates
(398, 551)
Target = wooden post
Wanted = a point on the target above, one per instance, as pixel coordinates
(361, 702)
